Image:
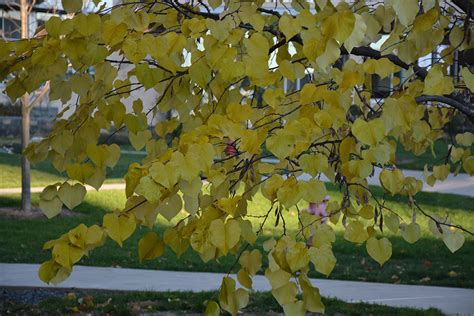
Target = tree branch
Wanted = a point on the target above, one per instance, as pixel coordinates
(464, 108)
(40, 96)
(465, 5)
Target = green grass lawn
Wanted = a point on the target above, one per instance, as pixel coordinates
(426, 262)
(132, 303)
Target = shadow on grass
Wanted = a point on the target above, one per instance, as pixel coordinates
(427, 262)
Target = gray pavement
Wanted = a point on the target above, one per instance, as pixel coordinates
(449, 300)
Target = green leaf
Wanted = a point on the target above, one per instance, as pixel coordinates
(72, 6)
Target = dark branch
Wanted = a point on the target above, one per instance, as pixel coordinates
(464, 108)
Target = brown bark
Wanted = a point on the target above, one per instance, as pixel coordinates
(25, 164)
(25, 123)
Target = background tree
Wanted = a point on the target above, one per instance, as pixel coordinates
(224, 76)
(27, 101)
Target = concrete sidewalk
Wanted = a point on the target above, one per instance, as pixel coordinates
(448, 300)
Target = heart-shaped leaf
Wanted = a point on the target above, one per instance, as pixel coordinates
(51, 208)
(453, 240)
(171, 207)
(379, 249)
(72, 195)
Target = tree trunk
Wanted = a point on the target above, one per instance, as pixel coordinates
(25, 123)
(25, 164)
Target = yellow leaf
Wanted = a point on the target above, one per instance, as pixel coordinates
(150, 247)
(244, 278)
(392, 180)
(436, 83)
(453, 240)
(71, 195)
(285, 294)
(119, 228)
(251, 261)
(291, 71)
(289, 193)
(281, 144)
(339, 25)
(323, 236)
(212, 309)
(170, 207)
(311, 296)
(355, 232)
(62, 142)
(139, 139)
(247, 232)
(94, 235)
(323, 259)
(441, 172)
(273, 97)
(297, 257)
(289, 26)
(295, 308)
(149, 189)
(97, 178)
(51, 208)
(277, 278)
(357, 35)
(229, 205)
(313, 191)
(232, 300)
(224, 236)
(80, 172)
(382, 67)
(465, 139)
(200, 73)
(313, 163)
(406, 10)
(77, 235)
(411, 232)
(369, 133)
(367, 211)
(60, 254)
(379, 249)
(271, 186)
(175, 241)
(392, 222)
(330, 55)
(52, 272)
(468, 165)
(468, 78)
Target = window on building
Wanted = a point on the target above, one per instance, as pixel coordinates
(9, 27)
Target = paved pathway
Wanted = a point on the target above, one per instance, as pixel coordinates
(448, 300)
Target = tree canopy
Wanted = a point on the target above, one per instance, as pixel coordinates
(222, 73)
